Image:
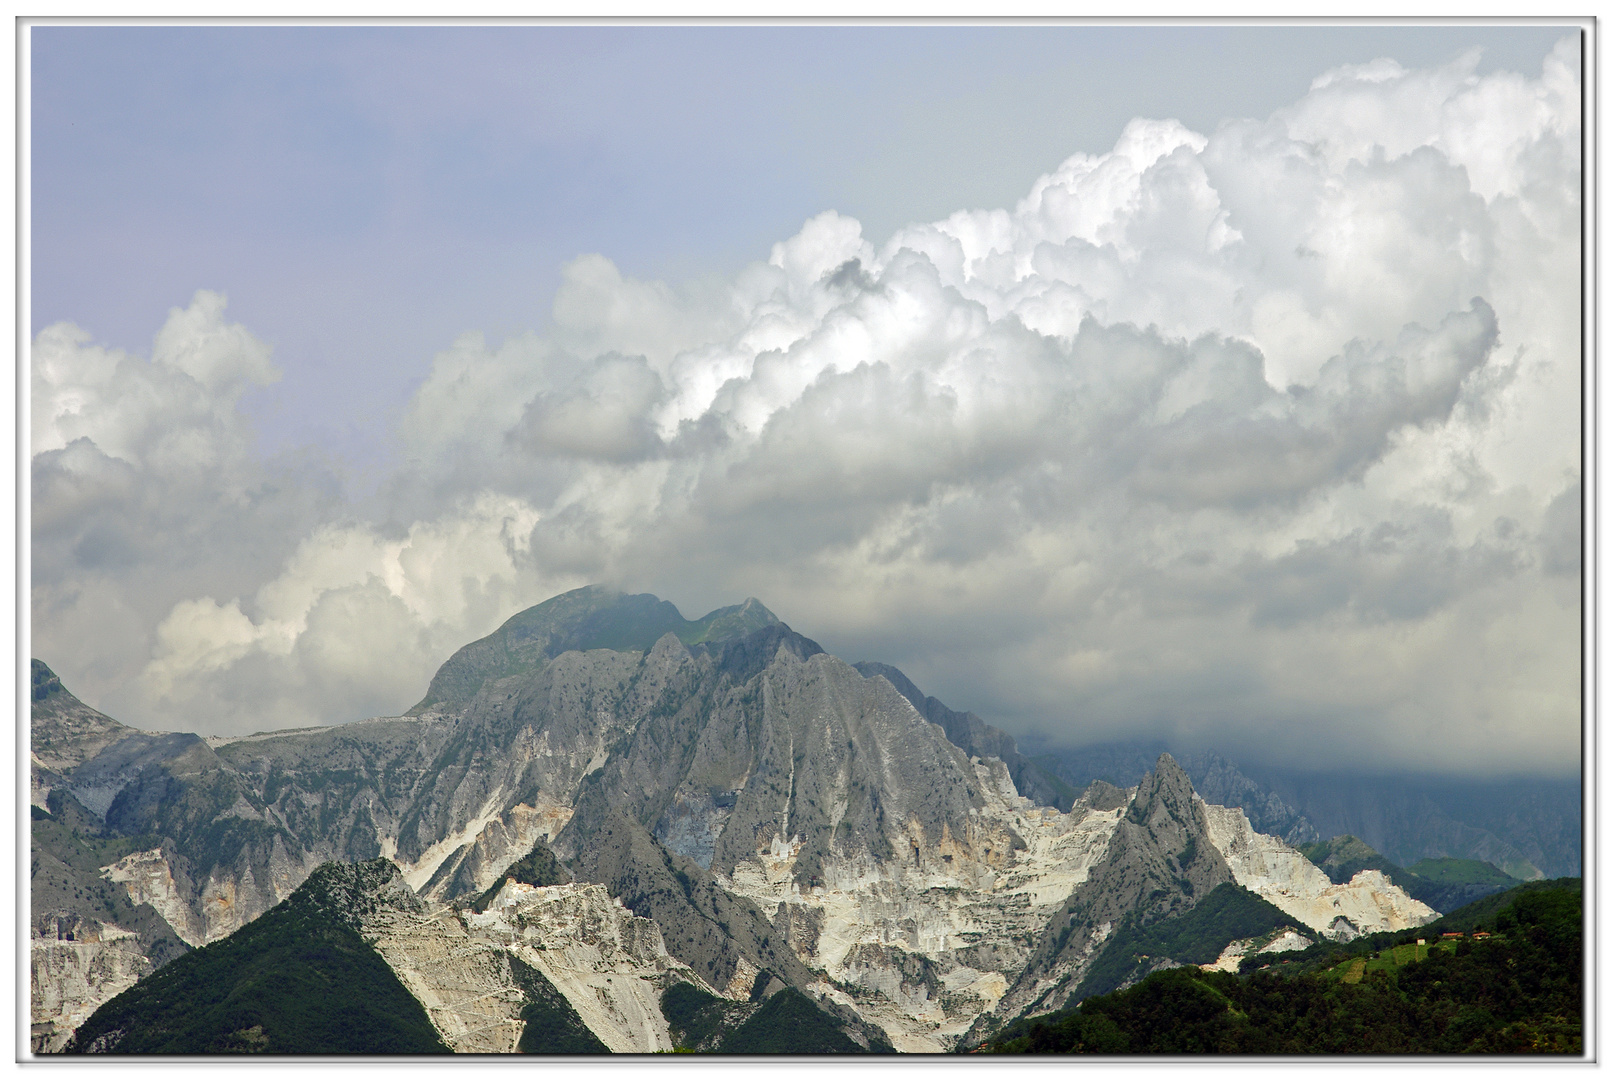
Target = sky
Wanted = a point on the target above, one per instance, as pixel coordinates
(1216, 384)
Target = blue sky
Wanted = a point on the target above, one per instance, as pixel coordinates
(364, 195)
(1212, 384)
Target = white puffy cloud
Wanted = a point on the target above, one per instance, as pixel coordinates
(173, 413)
(1264, 437)
(354, 622)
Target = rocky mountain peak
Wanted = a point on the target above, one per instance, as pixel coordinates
(1162, 845)
(977, 738)
(1160, 863)
(1102, 795)
(782, 818)
(593, 617)
(1164, 805)
(45, 681)
(65, 732)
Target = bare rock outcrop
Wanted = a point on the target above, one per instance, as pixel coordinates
(1159, 863)
(1369, 903)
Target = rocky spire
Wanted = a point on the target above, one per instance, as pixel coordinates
(1159, 864)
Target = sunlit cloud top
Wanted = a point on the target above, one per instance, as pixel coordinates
(1264, 437)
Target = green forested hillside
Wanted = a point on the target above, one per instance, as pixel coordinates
(1518, 991)
(787, 1023)
(297, 980)
(1228, 913)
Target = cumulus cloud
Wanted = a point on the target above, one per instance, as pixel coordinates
(1263, 437)
(173, 414)
(607, 417)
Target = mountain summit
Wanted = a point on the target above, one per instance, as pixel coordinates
(593, 617)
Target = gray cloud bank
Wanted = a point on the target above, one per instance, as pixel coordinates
(1266, 439)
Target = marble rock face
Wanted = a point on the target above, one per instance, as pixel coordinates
(737, 808)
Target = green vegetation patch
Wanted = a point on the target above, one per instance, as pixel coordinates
(1479, 915)
(1461, 872)
(45, 682)
(697, 1020)
(1344, 857)
(1227, 913)
(552, 1026)
(1517, 991)
(790, 1023)
(538, 867)
(296, 980)
(1443, 884)
(1385, 960)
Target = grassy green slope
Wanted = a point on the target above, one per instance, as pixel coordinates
(297, 980)
(1461, 872)
(1449, 884)
(1345, 856)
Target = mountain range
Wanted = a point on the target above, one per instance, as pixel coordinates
(606, 827)
(1528, 826)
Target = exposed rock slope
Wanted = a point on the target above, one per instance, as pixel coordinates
(455, 795)
(1366, 903)
(87, 940)
(596, 968)
(65, 733)
(581, 621)
(779, 818)
(75, 966)
(1159, 862)
(978, 738)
